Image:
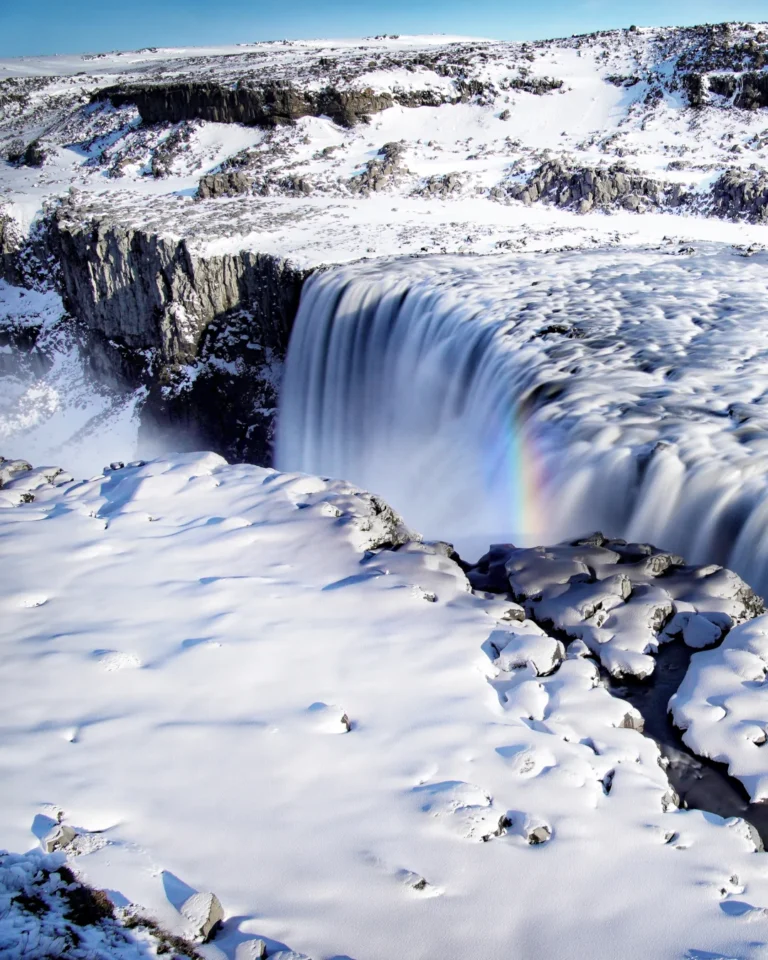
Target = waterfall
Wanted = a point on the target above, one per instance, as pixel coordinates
(531, 399)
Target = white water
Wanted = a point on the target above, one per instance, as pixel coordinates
(430, 382)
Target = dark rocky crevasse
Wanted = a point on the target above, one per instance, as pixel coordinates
(700, 783)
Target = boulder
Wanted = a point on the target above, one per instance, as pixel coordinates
(10, 469)
(251, 950)
(59, 838)
(204, 913)
(537, 834)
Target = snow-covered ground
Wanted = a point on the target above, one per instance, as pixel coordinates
(224, 681)
(621, 99)
(51, 409)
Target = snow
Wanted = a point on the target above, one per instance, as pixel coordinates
(588, 121)
(249, 616)
(222, 678)
(721, 705)
(51, 409)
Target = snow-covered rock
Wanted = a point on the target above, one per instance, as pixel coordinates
(722, 705)
(59, 838)
(204, 913)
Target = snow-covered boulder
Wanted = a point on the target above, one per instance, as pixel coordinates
(722, 705)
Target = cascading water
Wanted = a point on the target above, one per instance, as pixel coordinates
(535, 398)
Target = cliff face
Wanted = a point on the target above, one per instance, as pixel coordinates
(149, 293)
(267, 105)
(206, 337)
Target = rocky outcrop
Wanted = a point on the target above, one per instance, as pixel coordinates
(724, 86)
(752, 91)
(693, 84)
(539, 86)
(230, 183)
(146, 292)
(445, 185)
(741, 195)
(622, 600)
(749, 91)
(25, 261)
(267, 105)
(205, 335)
(10, 242)
(380, 172)
(594, 188)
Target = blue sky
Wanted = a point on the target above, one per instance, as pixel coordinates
(70, 26)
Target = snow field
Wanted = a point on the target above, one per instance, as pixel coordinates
(197, 632)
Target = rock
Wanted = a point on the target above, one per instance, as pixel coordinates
(171, 147)
(444, 185)
(528, 647)
(618, 602)
(252, 104)
(724, 86)
(633, 720)
(228, 184)
(536, 85)
(699, 632)
(740, 195)
(379, 527)
(693, 84)
(251, 950)
(596, 188)
(752, 91)
(35, 155)
(505, 115)
(224, 313)
(204, 913)
(540, 833)
(59, 838)
(11, 469)
(381, 172)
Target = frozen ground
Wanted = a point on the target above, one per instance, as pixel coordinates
(318, 192)
(238, 688)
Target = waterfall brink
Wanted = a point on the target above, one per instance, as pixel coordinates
(402, 390)
(536, 399)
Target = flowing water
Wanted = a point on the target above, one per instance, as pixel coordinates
(537, 398)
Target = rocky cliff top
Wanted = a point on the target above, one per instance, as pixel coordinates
(282, 147)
